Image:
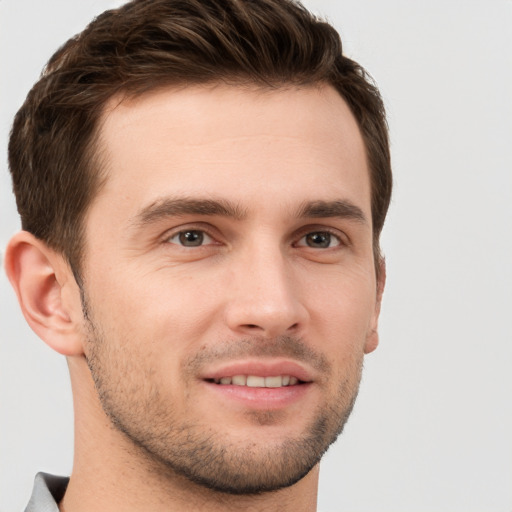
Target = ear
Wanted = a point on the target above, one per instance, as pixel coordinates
(372, 339)
(47, 292)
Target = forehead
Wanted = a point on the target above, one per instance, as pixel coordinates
(252, 145)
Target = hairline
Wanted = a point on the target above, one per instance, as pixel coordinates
(97, 152)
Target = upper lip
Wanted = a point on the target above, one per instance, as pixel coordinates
(260, 368)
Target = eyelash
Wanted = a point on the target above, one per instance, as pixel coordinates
(199, 229)
(322, 231)
(188, 231)
(309, 230)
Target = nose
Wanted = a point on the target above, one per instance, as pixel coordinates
(265, 299)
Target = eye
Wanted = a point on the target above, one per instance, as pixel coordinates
(190, 238)
(319, 240)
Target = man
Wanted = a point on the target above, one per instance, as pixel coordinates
(202, 186)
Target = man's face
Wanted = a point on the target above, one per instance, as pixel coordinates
(229, 281)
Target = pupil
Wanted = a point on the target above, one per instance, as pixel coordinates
(191, 238)
(322, 240)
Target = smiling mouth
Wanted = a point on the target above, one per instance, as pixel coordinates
(255, 381)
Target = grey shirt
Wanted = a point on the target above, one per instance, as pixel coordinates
(48, 491)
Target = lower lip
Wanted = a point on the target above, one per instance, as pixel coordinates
(261, 398)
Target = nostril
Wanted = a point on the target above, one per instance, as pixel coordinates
(254, 327)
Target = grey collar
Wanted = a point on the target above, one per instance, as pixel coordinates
(48, 491)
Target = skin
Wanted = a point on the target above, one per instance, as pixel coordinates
(279, 278)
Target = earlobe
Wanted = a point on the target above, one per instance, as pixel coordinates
(40, 278)
(372, 339)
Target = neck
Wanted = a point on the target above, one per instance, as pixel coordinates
(111, 474)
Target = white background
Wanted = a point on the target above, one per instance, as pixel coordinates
(432, 429)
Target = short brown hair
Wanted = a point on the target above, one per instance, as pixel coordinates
(147, 44)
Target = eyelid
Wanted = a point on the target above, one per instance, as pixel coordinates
(207, 239)
(213, 233)
(337, 233)
(204, 228)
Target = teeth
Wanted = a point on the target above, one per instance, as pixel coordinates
(254, 381)
(273, 382)
(239, 380)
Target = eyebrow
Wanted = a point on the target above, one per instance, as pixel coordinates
(175, 207)
(342, 209)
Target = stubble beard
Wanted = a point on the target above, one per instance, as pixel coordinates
(169, 445)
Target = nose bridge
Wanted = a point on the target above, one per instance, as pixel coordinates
(265, 298)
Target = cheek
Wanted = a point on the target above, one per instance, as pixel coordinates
(341, 311)
(160, 317)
